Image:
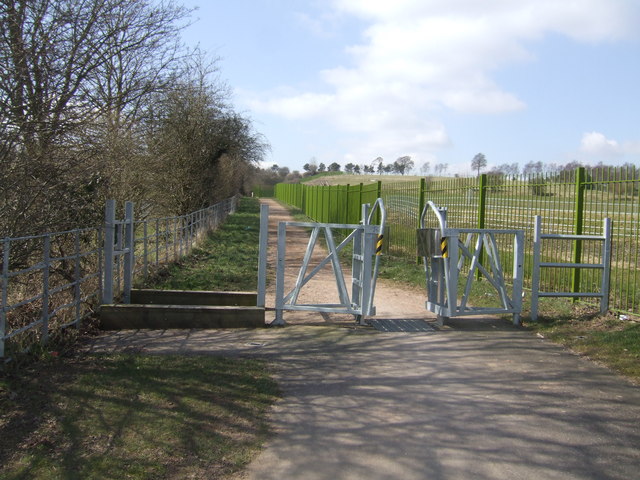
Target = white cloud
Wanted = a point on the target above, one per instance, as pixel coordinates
(419, 58)
(596, 144)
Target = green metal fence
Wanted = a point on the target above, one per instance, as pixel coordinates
(571, 202)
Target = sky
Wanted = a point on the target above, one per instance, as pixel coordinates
(348, 81)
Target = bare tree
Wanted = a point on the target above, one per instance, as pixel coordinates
(377, 165)
(403, 165)
(202, 149)
(479, 162)
(66, 68)
(532, 168)
(440, 168)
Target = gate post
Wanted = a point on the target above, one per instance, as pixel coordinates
(6, 246)
(129, 248)
(262, 256)
(606, 262)
(109, 241)
(280, 264)
(421, 201)
(577, 227)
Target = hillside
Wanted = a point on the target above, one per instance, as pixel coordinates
(344, 179)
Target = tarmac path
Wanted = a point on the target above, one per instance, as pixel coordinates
(479, 399)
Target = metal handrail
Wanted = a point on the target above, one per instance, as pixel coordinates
(436, 210)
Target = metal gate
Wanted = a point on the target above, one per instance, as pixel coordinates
(604, 264)
(366, 242)
(445, 256)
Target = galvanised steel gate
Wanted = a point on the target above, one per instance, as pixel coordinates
(366, 243)
(445, 255)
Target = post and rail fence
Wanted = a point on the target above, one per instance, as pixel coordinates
(570, 202)
(55, 280)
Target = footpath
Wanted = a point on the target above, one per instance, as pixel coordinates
(477, 400)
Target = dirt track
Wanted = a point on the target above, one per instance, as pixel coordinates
(392, 301)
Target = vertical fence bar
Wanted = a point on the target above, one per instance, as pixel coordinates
(535, 280)
(606, 263)
(45, 289)
(578, 226)
(175, 238)
(109, 241)
(262, 255)
(421, 202)
(6, 246)
(280, 266)
(129, 256)
(482, 213)
(100, 261)
(77, 293)
(518, 275)
(145, 250)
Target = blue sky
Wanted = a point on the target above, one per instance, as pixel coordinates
(351, 80)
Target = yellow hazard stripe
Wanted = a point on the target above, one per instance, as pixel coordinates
(443, 247)
(379, 245)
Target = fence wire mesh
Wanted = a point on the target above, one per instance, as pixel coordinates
(570, 202)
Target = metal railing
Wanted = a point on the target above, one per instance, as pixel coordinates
(55, 280)
(603, 263)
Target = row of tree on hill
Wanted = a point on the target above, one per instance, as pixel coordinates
(401, 166)
(562, 171)
(99, 99)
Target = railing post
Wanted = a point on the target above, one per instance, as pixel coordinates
(346, 218)
(280, 267)
(6, 246)
(145, 232)
(578, 226)
(606, 263)
(482, 211)
(482, 200)
(262, 256)
(45, 289)
(109, 241)
(421, 203)
(77, 291)
(535, 275)
(129, 248)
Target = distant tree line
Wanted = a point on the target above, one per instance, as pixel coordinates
(98, 99)
(401, 166)
(622, 180)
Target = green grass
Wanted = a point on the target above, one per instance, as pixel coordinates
(133, 416)
(226, 260)
(69, 416)
(606, 339)
(402, 270)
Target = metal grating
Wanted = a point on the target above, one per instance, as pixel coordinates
(391, 325)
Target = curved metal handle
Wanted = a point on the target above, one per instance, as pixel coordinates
(379, 203)
(436, 210)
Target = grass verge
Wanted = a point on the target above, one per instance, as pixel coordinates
(133, 416)
(612, 340)
(66, 415)
(226, 260)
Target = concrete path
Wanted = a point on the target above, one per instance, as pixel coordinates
(477, 400)
(466, 403)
